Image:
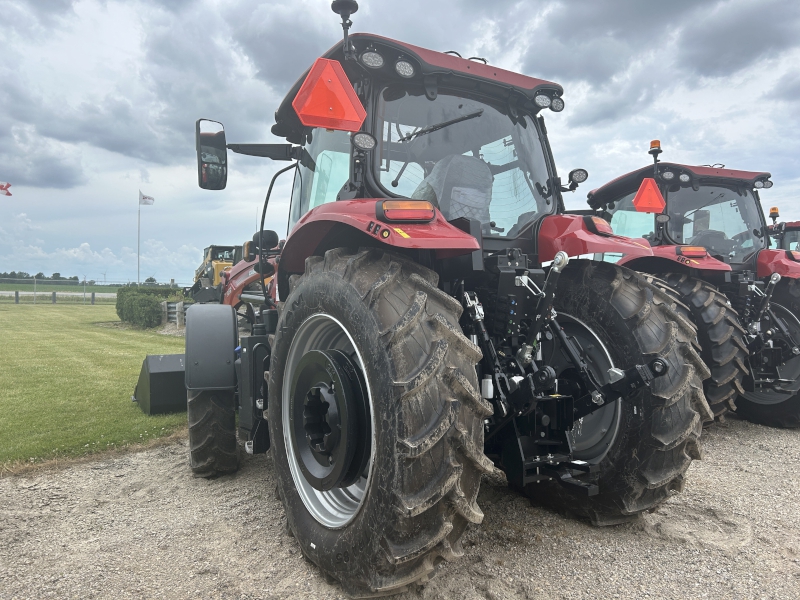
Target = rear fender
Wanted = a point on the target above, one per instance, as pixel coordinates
(570, 234)
(354, 223)
(777, 261)
(211, 339)
(664, 260)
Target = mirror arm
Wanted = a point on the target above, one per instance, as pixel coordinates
(273, 151)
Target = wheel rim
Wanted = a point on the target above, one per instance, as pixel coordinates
(323, 353)
(790, 370)
(592, 436)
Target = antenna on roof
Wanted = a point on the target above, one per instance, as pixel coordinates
(345, 8)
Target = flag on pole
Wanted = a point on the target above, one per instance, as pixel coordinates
(4, 188)
(146, 200)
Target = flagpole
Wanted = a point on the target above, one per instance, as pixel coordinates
(138, 237)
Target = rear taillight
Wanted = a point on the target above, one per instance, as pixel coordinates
(405, 211)
(691, 251)
(794, 255)
(598, 225)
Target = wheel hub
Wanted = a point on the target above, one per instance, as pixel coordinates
(329, 419)
(321, 421)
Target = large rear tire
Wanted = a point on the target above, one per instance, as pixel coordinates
(776, 409)
(721, 338)
(408, 507)
(643, 444)
(212, 432)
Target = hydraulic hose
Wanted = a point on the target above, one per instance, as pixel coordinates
(267, 300)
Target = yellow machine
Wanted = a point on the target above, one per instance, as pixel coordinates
(215, 260)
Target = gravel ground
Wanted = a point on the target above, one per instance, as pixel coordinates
(140, 526)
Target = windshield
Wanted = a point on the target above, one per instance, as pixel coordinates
(222, 254)
(718, 218)
(323, 170)
(791, 240)
(467, 157)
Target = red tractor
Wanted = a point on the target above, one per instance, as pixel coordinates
(711, 246)
(426, 325)
(787, 236)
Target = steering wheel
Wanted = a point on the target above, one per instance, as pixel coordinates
(711, 238)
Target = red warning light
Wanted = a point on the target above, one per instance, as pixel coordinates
(327, 99)
(649, 199)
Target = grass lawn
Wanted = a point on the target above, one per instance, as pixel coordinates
(66, 379)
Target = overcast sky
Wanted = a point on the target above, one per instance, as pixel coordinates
(98, 99)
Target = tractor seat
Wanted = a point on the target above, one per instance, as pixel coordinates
(460, 186)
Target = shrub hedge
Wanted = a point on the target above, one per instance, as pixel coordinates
(143, 310)
(141, 306)
(133, 289)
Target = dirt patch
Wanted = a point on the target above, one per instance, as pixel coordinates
(140, 526)
(172, 329)
(22, 468)
(168, 329)
(114, 325)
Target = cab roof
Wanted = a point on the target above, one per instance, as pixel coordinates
(699, 174)
(431, 68)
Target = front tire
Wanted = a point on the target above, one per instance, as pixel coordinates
(642, 444)
(416, 493)
(212, 432)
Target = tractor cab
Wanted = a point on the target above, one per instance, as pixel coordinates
(456, 133)
(786, 234)
(215, 260)
(380, 119)
(714, 210)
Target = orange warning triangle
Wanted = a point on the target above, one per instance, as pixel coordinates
(327, 99)
(649, 199)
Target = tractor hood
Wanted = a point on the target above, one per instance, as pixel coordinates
(599, 197)
(431, 69)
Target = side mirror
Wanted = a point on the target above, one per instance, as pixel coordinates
(212, 155)
(269, 240)
(248, 251)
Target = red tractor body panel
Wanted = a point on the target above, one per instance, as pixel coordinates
(706, 263)
(777, 261)
(569, 233)
(438, 235)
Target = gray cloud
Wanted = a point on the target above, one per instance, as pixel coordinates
(736, 34)
(131, 123)
(631, 54)
(281, 40)
(30, 159)
(786, 88)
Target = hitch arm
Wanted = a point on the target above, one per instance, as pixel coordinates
(622, 384)
(475, 312)
(544, 308)
(767, 295)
